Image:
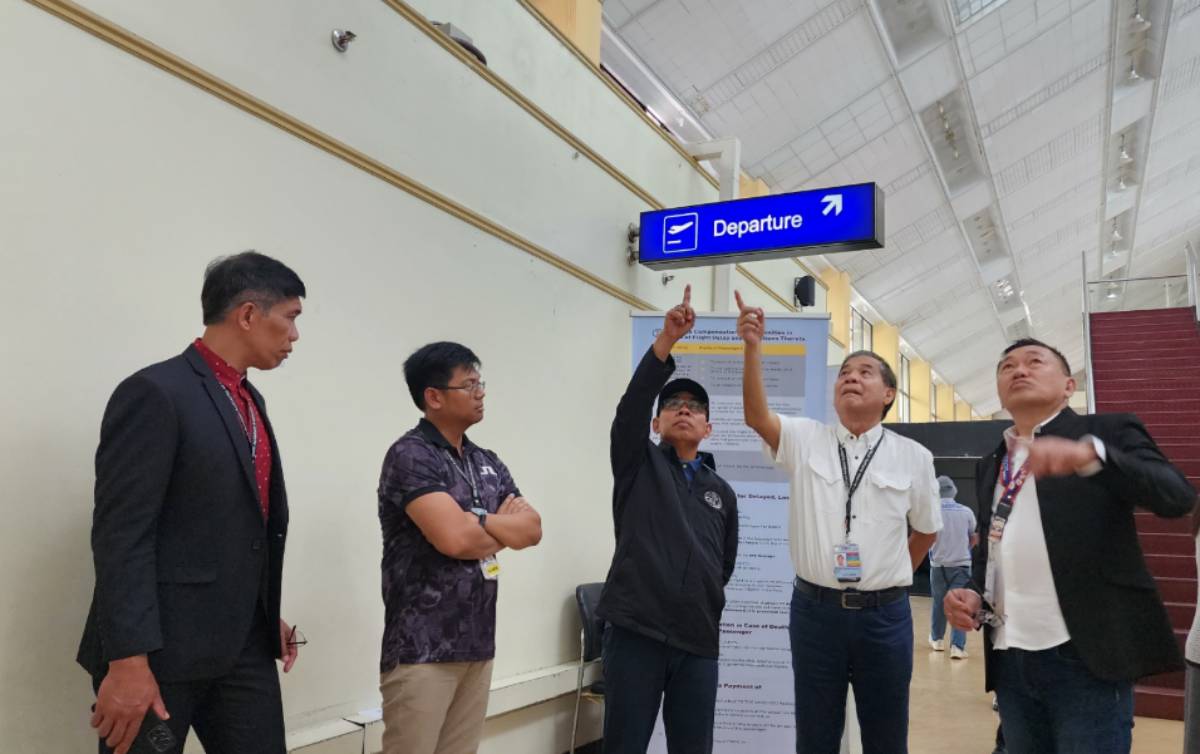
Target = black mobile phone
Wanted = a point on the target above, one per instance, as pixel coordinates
(154, 737)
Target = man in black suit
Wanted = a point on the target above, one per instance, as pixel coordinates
(1072, 615)
(189, 527)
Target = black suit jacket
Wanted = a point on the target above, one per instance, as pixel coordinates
(1108, 598)
(182, 555)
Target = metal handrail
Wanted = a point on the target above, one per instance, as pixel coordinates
(1193, 292)
(1090, 386)
(1134, 280)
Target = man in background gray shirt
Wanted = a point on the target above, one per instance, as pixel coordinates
(950, 565)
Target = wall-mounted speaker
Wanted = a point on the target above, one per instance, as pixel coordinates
(804, 291)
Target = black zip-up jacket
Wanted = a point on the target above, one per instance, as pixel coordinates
(676, 545)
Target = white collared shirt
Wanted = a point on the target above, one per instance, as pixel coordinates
(1023, 585)
(898, 488)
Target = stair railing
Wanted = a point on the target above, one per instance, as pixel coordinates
(1193, 299)
(1115, 286)
(1087, 338)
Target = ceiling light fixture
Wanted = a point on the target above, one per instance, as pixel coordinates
(1132, 77)
(1138, 22)
(1124, 155)
(1113, 291)
(1121, 184)
(1116, 234)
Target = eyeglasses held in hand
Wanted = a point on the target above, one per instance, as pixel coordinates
(987, 617)
(295, 638)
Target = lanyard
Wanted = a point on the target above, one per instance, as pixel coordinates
(251, 430)
(852, 486)
(468, 475)
(1012, 487)
(1013, 482)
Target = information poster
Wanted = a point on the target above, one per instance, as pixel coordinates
(754, 697)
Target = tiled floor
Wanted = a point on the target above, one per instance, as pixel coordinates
(951, 714)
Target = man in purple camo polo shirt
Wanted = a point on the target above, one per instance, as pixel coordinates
(446, 507)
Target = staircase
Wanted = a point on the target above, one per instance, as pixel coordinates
(1144, 363)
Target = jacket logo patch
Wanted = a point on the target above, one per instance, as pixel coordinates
(713, 500)
(487, 471)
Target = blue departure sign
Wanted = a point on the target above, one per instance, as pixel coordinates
(819, 221)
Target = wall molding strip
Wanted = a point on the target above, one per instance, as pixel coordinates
(145, 50)
(423, 24)
(766, 288)
(617, 90)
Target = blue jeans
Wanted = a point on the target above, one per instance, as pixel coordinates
(941, 580)
(833, 648)
(641, 673)
(1051, 703)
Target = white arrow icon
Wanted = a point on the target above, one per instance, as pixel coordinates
(832, 202)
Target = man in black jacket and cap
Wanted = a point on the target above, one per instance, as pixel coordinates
(677, 534)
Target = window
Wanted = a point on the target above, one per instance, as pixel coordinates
(933, 401)
(965, 10)
(861, 332)
(905, 390)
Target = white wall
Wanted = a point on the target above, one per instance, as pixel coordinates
(119, 182)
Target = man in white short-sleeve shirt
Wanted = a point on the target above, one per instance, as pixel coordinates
(856, 488)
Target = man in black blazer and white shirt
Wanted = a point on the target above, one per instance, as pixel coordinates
(1072, 616)
(189, 527)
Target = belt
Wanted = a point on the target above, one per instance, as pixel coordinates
(851, 599)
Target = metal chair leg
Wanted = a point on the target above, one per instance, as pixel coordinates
(578, 691)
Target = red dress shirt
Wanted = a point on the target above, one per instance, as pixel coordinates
(234, 383)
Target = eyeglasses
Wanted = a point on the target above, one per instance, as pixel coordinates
(674, 404)
(295, 638)
(987, 617)
(471, 388)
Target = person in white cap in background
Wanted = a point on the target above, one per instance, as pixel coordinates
(950, 565)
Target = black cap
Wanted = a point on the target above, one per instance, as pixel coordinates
(683, 385)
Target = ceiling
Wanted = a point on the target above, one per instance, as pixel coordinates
(1000, 130)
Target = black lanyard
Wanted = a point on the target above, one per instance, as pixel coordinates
(852, 486)
(251, 430)
(468, 475)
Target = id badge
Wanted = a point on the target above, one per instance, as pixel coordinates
(490, 567)
(999, 521)
(847, 563)
(996, 530)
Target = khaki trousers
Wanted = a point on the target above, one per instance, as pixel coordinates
(435, 708)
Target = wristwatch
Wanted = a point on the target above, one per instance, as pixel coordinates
(481, 513)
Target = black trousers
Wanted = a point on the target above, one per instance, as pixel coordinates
(238, 713)
(640, 676)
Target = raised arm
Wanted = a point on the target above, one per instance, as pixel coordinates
(759, 417)
(630, 429)
(1141, 475)
(1131, 467)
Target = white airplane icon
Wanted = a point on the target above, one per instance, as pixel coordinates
(675, 230)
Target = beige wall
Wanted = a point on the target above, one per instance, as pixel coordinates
(577, 20)
(921, 382)
(837, 286)
(476, 225)
(886, 343)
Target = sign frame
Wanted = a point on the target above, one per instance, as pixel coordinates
(875, 241)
